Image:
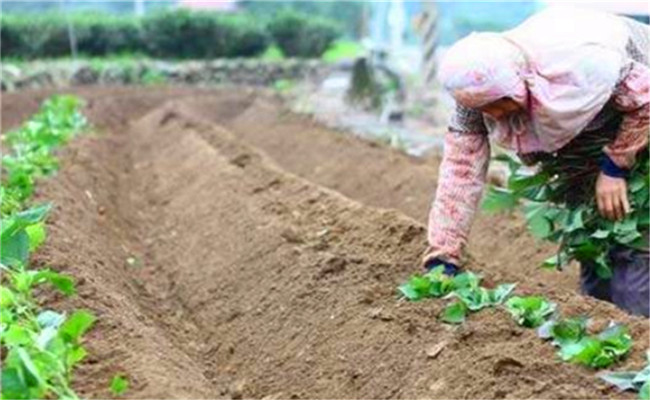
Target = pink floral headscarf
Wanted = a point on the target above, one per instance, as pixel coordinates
(562, 65)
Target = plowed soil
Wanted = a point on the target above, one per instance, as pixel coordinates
(234, 250)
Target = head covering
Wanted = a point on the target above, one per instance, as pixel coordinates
(562, 65)
(482, 68)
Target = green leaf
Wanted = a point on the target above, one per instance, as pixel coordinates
(513, 164)
(416, 288)
(603, 269)
(530, 311)
(409, 292)
(13, 386)
(556, 262)
(62, 282)
(465, 280)
(474, 298)
(75, 326)
(600, 234)
(432, 284)
(587, 251)
(575, 220)
(76, 355)
(16, 335)
(119, 385)
(29, 366)
(569, 330)
(616, 340)
(454, 313)
(629, 224)
(598, 351)
(498, 200)
(15, 249)
(501, 292)
(7, 297)
(519, 182)
(623, 380)
(628, 237)
(36, 235)
(538, 221)
(637, 183)
(585, 351)
(539, 226)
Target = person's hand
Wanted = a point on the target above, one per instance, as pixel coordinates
(611, 196)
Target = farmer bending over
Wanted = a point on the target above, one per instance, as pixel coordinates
(560, 76)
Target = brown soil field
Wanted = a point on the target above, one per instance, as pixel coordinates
(268, 250)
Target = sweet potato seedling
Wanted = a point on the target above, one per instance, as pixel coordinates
(594, 351)
(530, 311)
(636, 381)
(40, 346)
(464, 287)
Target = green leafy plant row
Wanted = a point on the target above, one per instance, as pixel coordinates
(39, 346)
(570, 335)
(30, 154)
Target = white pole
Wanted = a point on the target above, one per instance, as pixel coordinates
(396, 23)
(138, 7)
(72, 38)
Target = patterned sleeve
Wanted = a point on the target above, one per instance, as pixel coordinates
(460, 185)
(632, 96)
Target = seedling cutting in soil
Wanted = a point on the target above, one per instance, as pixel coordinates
(465, 287)
(531, 311)
(637, 381)
(40, 346)
(594, 351)
(119, 385)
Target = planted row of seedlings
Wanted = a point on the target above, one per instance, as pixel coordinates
(40, 346)
(559, 206)
(569, 335)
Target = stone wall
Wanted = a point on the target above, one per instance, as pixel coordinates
(231, 71)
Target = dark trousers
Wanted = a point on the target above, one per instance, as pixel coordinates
(629, 287)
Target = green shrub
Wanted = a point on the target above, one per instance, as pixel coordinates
(36, 36)
(170, 34)
(299, 35)
(188, 34)
(102, 35)
(46, 36)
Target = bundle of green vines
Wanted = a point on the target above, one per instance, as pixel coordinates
(558, 199)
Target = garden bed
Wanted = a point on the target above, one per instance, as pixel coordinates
(232, 249)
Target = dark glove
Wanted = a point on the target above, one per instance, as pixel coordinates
(450, 269)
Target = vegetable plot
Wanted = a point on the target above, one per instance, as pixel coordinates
(40, 346)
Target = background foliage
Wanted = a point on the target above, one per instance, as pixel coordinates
(169, 34)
